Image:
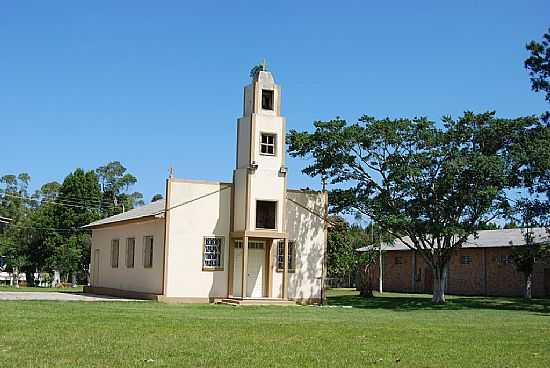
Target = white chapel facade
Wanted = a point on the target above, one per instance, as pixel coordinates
(252, 239)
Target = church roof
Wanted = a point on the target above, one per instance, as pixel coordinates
(485, 239)
(152, 209)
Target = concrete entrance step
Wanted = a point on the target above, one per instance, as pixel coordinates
(258, 301)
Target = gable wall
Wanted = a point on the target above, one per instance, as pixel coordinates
(207, 215)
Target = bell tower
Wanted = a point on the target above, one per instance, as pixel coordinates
(258, 221)
(260, 173)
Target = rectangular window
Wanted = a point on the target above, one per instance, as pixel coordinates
(504, 260)
(398, 260)
(148, 252)
(212, 255)
(419, 275)
(267, 144)
(281, 256)
(466, 260)
(266, 214)
(267, 99)
(130, 251)
(114, 253)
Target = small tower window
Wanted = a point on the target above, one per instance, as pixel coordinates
(267, 99)
(266, 214)
(267, 144)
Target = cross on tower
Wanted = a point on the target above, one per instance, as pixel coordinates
(264, 65)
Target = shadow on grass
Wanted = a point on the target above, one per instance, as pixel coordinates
(28, 289)
(411, 302)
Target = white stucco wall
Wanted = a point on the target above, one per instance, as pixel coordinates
(208, 214)
(308, 231)
(140, 279)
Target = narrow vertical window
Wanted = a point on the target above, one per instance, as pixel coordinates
(267, 144)
(267, 99)
(130, 251)
(148, 252)
(212, 253)
(281, 256)
(114, 253)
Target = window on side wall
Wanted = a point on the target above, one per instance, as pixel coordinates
(130, 252)
(466, 260)
(267, 144)
(212, 253)
(419, 275)
(504, 260)
(398, 260)
(114, 253)
(281, 256)
(148, 252)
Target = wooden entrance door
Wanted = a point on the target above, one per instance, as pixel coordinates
(256, 258)
(255, 269)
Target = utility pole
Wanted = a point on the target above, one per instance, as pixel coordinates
(380, 259)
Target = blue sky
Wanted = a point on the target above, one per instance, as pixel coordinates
(154, 84)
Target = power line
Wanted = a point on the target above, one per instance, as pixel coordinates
(46, 228)
(57, 203)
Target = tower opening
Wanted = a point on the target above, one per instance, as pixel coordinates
(266, 213)
(267, 99)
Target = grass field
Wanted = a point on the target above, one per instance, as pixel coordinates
(393, 330)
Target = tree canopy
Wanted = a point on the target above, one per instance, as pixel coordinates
(430, 185)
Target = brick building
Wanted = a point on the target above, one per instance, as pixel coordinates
(483, 266)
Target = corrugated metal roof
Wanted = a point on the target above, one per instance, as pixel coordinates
(485, 239)
(151, 209)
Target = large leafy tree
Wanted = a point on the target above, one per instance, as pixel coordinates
(115, 182)
(78, 203)
(538, 65)
(16, 204)
(431, 186)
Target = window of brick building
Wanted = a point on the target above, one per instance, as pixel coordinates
(419, 275)
(398, 260)
(504, 260)
(466, 260)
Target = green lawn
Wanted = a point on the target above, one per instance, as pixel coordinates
(393, 330)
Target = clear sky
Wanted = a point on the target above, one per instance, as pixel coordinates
(159, 83)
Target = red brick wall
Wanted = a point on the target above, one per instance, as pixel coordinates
(502, 279)
(466, 279)
(485, 275)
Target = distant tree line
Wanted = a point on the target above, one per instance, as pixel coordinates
(45, 233)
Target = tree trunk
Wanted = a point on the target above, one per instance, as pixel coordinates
(528, 285)
(29, 275)
(15, 277)
(439, 283)
(365, 287)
